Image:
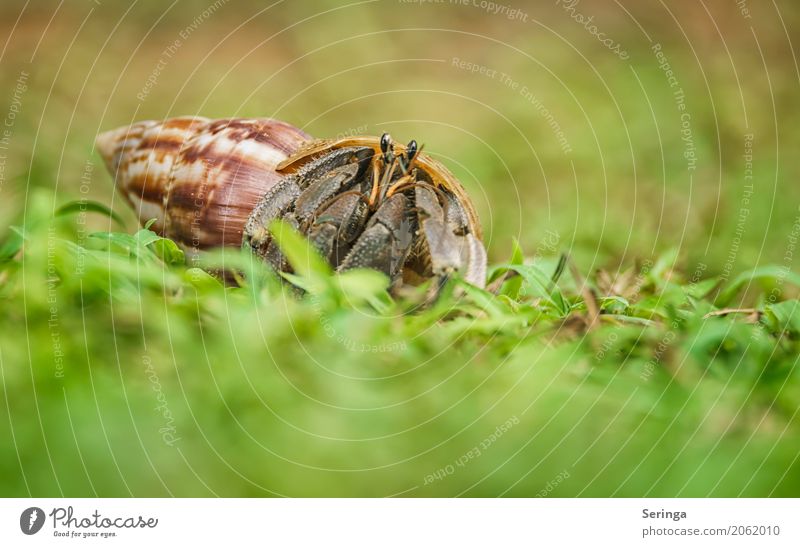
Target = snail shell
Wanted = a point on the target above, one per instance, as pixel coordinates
(199, 178)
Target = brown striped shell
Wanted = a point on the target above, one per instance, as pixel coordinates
(198, 178)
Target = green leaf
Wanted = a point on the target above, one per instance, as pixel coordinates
(126, 242)
(145, 244)
(145, 237)
(12, 245)
(783, 316)
(361, 285)
(79, 206)
(298, 281)
(303, 257)
(630, 319)
(202, 280)
(540, 285)
(512, 286)
(484, 300)
(164, 248)
(614, 304)
(663, 266)
(701, 288)
(774, 273)
(168, 251)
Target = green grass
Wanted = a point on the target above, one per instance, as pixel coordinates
(153, 379)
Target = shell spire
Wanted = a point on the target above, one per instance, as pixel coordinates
(199, 178)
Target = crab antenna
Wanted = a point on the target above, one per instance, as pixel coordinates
(376, 180)
(404, 164)
(386, 179)
(403, 183)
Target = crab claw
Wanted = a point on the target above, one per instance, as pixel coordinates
(474, 260)
(385, 243)
(335, 229)
(449, 247)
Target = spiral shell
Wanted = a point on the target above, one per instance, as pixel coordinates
(198, 178)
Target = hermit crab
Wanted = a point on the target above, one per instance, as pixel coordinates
(363, 202)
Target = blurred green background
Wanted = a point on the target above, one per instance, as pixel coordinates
(622, 191)
(546, 126)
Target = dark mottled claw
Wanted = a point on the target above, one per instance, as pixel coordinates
(385, 243)
(323, 189)
(444, 243)
(474, 260)
(337, 226)
(276, 203)
(319, 167)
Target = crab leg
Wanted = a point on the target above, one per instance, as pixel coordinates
(385, 243)
(403, 183)
(323, 189)
(338, 225)
(385, 181)
(317, 168)
(442, 245)
(474, 259)
(338, 168)
(376, 179)
(275, 204)
(447, 246)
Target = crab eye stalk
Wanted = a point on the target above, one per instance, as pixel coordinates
(407, 159)
(411, 150)
(386, 148)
